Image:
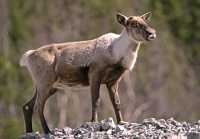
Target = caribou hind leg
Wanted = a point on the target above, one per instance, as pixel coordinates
(28, 112)
(42, 102)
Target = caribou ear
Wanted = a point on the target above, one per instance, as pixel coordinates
(146, 16)
(121, 19)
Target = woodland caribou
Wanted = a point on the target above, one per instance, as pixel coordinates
(102, 60)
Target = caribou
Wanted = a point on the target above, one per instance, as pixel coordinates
(102, 60)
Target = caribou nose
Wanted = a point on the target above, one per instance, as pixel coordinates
(152, 36)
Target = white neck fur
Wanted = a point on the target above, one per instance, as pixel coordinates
(126, 48)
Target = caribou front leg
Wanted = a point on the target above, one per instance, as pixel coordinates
(114, 97)
(95, 83)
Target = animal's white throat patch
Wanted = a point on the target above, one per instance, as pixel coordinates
(127, 50)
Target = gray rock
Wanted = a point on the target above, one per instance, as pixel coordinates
(107, 124)
(106, 129)
(120, 128)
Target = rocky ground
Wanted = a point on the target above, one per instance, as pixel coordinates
(107, 129)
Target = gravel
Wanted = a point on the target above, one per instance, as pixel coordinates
(106, 129)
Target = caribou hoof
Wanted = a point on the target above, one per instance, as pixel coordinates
(123, 122)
